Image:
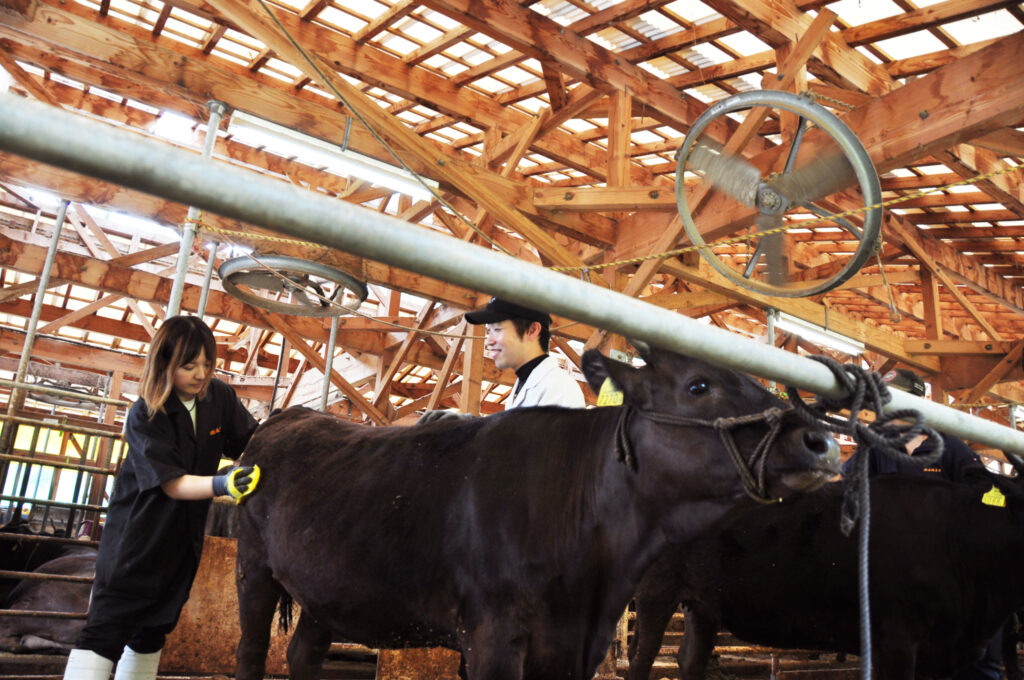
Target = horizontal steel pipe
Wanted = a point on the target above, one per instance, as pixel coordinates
(61, 425)
(45, 133)
(43, 389)
(57, 464)
(43, 576)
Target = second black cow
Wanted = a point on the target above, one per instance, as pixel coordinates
(945, 564)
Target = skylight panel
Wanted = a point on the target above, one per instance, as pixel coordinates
(578, 125)
(438, 61)
(461, 49)
(420, 31)
(645, 137)
(984, 27)
(398, 43)
(533, 105)
(63, 80)
(857, 12)
(185, 29)
(744, 43)
(174, 127)
(343, 21)
(693, 11)
(655, 25)
(366, 8)
(453, 68)
(515, 75)
(618, 40)
(706, 55)
(489, 85)
(283, 67)
(443, 20)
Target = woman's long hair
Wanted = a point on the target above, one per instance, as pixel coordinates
(177, 342)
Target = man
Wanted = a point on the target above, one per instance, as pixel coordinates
(958, 463)
(517, 337)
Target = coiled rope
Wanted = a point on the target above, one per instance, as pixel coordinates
(864, 390)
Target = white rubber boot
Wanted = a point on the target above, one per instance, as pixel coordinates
(84, 664)
(135, 666)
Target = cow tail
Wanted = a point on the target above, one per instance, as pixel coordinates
(284, 611)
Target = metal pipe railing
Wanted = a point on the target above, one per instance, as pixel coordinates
(54, 136)
(43, 389)
(17, 400)
(56, 464)
(188, 232)
(63, 426)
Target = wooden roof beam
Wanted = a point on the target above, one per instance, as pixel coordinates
(197, 78)
(592, 228)
(541, 38)
(896, 131)
(920, 19)
(780, 22)
(25, 79)
(452, 170)
(393, 14)
(969, 162)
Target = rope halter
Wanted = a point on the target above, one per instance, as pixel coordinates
(752, 470)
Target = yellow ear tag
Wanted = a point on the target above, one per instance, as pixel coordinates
(610, 395)
(994, 497)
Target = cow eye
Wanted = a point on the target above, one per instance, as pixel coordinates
(697, 387)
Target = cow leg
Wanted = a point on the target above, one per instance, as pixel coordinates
(307, 649)
(1010, 663)
(652, 617)
(698, 643)
(494, 651)
(258, 595)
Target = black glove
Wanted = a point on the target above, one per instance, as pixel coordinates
(442, 414)
(237, 481)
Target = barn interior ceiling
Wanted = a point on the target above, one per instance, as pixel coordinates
(561, 120)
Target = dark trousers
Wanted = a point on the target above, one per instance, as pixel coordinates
(117, 621)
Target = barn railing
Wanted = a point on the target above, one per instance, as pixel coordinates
(51, 135)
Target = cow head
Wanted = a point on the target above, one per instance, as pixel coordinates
(696, 456)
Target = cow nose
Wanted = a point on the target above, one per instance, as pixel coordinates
(818, 443)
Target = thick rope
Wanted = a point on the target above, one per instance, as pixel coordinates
(864, 389)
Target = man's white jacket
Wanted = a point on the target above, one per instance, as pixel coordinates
(548, 385)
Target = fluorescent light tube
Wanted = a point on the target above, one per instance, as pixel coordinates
(819, 335)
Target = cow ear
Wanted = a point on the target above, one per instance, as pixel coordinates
(597, 368)
(1016, 462)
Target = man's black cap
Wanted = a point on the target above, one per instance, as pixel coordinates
(498, 310)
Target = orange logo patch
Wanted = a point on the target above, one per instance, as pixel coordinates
(214, 431)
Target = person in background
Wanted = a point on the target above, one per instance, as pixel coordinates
(517, 337)
(958, 463)
(178, 430)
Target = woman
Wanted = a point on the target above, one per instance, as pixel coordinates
(184, 422)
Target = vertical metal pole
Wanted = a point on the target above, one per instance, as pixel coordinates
(204, 296)
(17, 399)
(188, 232)
(277, 376)
(328, 362)
(770, 316)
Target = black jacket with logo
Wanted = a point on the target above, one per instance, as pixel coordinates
(151, 543)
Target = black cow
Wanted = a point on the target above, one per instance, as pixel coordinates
(944, 575)
(516, 538)
(42, 634)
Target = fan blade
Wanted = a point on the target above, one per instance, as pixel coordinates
(772, 247)
(729, 173)
(258, 280)
(822, 177)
